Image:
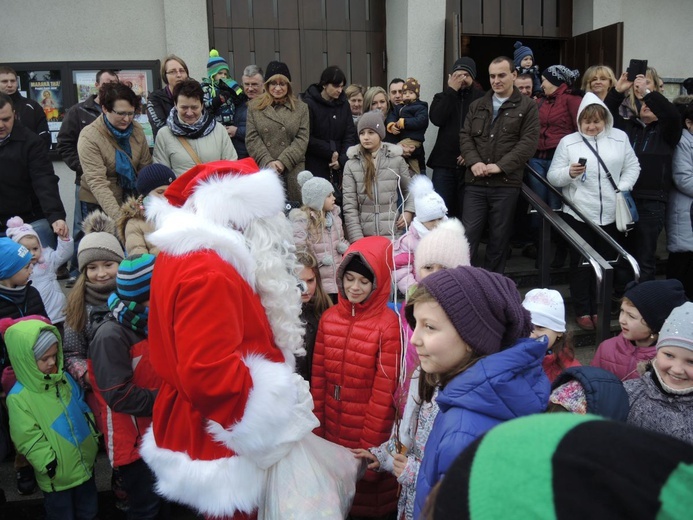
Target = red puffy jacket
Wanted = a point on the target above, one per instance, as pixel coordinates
(557, 117)
(354, 374)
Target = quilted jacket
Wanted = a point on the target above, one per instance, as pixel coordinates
(620, 357)
(354, 374)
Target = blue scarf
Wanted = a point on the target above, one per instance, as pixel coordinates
(124, 169)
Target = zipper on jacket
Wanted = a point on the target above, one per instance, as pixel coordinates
(599, 182)
(69, 422)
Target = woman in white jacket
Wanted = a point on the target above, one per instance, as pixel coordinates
(590, 190)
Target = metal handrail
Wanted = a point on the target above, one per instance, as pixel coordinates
(602, 268)
(596, 228)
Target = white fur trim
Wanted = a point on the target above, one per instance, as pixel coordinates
(213, 487)
(180, 232)
(238, 199)
(278, 413)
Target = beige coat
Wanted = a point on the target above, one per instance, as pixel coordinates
(97, 151)
(364, 216)
(280, 134)
(215, 146)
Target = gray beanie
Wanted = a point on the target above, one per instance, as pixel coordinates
(374, 121)
(314, 190)
(99, 242)
(45, 339)
(677, 330)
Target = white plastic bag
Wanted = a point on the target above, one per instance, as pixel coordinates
(316, 480)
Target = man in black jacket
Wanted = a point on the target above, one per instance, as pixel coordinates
(654, 136)
(448, 112)
(28, 184)
(78, 117)
(28, 111)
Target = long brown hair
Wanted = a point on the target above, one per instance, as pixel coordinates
(76, 310)
(369, 173)
(429, 382)
(563, 348)
(321, 301)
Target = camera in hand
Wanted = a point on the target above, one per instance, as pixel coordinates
(636, 67)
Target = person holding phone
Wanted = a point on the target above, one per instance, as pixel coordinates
(654, 135)
(580, 173)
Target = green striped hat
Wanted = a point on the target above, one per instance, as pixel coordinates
(564, 466)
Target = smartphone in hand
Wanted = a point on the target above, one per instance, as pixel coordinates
(582, 161)
(636, 67)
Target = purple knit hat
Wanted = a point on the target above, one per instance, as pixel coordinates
(484, 307)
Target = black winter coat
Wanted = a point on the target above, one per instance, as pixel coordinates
(331, 130)
(79, 116)
(28, 184)
(32, 116)
(448, 112)
(159, 105)
(654, 144)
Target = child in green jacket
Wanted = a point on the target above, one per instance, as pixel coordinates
(50, 423)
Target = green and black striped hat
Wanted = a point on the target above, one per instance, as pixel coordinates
(564, 466)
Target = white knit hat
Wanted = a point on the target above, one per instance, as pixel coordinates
(547, 309)
(445, 245)
(428, 205)
(314, 190)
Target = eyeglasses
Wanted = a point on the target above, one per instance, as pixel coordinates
(123, 114)
(277, 84)
(176, 72)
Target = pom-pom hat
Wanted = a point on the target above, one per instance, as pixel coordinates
(427, 203)
(99, 242)
(18, 229)
(314, 190)
(520, 52)
(215, 64)
(412, 85)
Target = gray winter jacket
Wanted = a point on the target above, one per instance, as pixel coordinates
(364, 216)
(652, 409)
(679, 230)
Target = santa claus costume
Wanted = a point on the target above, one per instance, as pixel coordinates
(223, 328)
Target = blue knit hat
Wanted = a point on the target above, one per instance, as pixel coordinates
(520, 52)
(152, 176)
(134, 278)
(215, 64)
(13, 257)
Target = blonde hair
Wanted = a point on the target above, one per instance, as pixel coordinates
(354, 89)
(265, 99)
(316, 222)
(630, 96)
(369, 172)
(370, 94)
(593, 72)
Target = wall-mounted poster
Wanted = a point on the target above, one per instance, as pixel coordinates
(46, 88)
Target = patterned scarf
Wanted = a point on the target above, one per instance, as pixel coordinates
(199, 128)
(132, 315)
(124, 169)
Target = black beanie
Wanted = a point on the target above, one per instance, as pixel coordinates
(559, 74)
(568, 466)
(357, 265)
(277, 67)
(655, 299)
(467, 64)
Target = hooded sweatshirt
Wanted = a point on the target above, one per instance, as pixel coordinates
(49, 420)
(592, 192)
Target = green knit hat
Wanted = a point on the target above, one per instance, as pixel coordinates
(565, 466)
(216, 64)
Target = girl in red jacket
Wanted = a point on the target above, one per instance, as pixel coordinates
(354, 375)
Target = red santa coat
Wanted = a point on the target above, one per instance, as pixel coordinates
(354, 376)
(223, 412)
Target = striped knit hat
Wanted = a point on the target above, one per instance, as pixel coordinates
(568, 466)
(135, 277)
(215, 64)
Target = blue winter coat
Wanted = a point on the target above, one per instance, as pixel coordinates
(500, 387)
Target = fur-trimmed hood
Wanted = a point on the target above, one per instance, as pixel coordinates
(131, 208)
